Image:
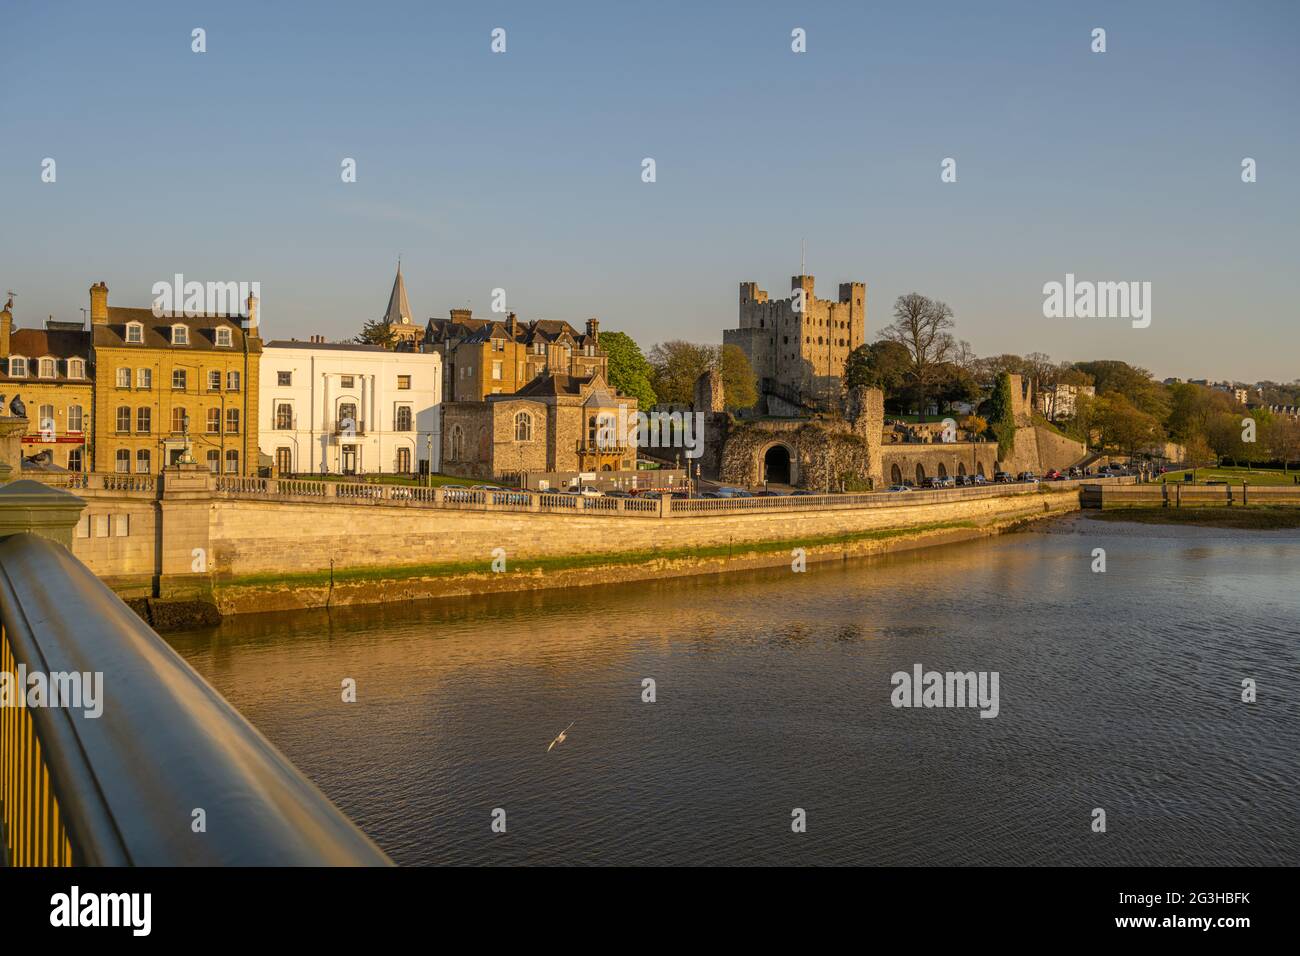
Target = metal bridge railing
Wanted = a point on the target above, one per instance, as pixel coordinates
(126, 787)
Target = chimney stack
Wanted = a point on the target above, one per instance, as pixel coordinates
(6, 328)
(593, 331)
(252, 315)
(99, 303)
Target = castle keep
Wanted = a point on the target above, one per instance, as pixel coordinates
(798, 346)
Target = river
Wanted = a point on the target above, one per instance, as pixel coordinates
(1118, 691)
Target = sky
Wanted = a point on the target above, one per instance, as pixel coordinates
(522, 170)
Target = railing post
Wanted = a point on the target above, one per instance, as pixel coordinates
(31, 506)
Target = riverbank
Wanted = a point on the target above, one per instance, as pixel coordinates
(371, 584)
(1254, 517)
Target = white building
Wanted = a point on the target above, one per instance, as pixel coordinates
(343, 408)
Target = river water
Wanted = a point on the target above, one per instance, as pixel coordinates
(1118, 691)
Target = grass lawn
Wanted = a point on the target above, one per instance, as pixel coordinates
(1235, 476)
(1252, 517)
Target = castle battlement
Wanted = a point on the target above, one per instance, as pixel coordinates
(798, 345)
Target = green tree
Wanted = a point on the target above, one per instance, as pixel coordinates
(881, 365)
(1001, 418)
(629, 372)
(924, 327)
(676, 366)
(1122, 426)
(1134, 383)
(739, 383)
(378, 332)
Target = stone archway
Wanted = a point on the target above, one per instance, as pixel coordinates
(920, 473)
(895, 475)
(943, 471)
(979, 469)
(778, 465)
(961, 469)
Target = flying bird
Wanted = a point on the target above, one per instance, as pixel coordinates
(560, 739)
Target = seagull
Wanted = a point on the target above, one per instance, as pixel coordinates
(560, 739)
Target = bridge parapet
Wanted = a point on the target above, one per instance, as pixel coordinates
(128, 748)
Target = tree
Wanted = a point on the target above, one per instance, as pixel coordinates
(1001, 417)
(1122, 426)
(1284, 439)
(629, 372)
(973, 425)
(378, 332)
(922, 326)
(1134, 383)
(676, 367)
(739, 383)
(881, 365)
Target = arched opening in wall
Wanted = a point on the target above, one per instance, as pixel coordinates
(961, 468)
(606, 467)
(979, 469)
(776, 465)
(943, 472)
(920, 474)
(895, 475)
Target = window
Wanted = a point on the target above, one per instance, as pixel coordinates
(75, 415)
(124, 378)
(345, 381)
(180, 420)
(223, 337)
(496, 371)
(76, 368)
(403, 461)
(214, 421)
(232, 381)
(124, 418)
(178, 379)
(498, 345)
(232, 461)
(180, 335)
(144, 419)
(134, 333)
(284, 416)
(45, 421)
(232, 421)
(142, 461)
(144, 378)
(74, 459)
(17, 367)
(348, 417)
(214, 381)
(122, 461)
(284, 378)
(457, 446)
(214, 461)
(49, 368)
(403, 382)
(523, 427)
(283, 461)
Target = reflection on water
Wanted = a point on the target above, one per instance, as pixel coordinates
(1118, 690)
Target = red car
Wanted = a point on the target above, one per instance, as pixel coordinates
(1053, 474)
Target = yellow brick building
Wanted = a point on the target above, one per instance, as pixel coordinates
(165, 386)
(51, 369)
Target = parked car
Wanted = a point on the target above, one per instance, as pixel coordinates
(587, 491)
(1027, 476)
(802, 494)
(769, 494)
(733, 493)
(976, 480)
(899, 488)
(1053, 475)
(618, 494)
(1001, 478)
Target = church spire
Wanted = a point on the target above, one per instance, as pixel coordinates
(399, 310)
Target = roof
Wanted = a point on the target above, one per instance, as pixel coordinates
(328, 346)
(34, 343)
(464, 329)
(157, 331)
(558, 384)
(399, 310)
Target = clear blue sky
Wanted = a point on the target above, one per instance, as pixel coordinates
(522, 170)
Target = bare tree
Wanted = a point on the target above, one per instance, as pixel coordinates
(923, 327)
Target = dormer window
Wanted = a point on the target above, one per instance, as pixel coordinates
(223, 337)
(49, 368)
(17, 366)
(134, 333)
(180, 335)
(76, 368)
